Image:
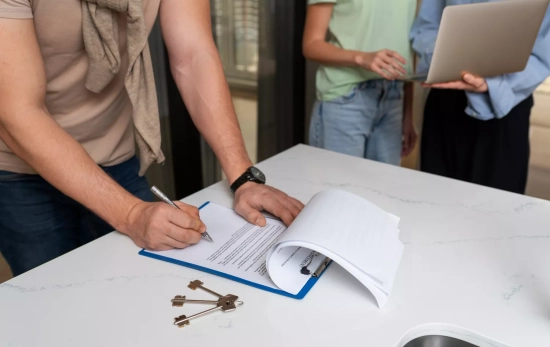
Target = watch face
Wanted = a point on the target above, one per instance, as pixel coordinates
(257, 174)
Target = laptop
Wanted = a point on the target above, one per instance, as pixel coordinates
(485, 39)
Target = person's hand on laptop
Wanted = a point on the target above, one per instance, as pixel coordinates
(469, 83)
(386, 63)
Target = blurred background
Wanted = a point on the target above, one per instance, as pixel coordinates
(273, 90)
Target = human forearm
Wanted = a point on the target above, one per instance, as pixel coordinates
(386, 63)
(326, 53)
(197, 69)
(408, 101)
(37, 139)
(202, 84)
(409, 133)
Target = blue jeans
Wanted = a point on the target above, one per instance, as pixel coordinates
(39, 223)
(367, 122)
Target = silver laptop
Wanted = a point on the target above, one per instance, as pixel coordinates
(485, 39)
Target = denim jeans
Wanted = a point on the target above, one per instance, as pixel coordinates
(39, 223)
(365, 123)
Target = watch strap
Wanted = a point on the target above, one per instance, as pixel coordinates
(247, 176)
(239, 182)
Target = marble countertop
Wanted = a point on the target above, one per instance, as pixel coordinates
(476, 266)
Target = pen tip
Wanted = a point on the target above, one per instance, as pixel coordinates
(206, 236)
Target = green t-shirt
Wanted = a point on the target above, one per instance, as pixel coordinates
(368, 26)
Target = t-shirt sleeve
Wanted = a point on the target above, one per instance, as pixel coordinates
(313, 2)
(16, 9)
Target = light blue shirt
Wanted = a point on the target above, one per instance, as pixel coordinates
(506, 91)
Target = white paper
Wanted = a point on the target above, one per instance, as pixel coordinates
(358, 235)
(239, 248)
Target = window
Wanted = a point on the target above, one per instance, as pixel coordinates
(236, 29)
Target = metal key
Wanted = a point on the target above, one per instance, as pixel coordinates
(179, 300)
(198, 284)
(226, 303)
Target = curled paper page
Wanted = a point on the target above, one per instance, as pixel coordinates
(356, 234)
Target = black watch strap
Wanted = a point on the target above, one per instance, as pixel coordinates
(239, 182)
(248, 176)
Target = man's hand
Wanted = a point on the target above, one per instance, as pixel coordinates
(469, 83)
(252, 198)
(160, 227)
(386, 63)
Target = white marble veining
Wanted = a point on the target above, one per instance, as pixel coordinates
(476, 266)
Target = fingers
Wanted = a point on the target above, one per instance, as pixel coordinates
(391, 70)
(382, 73)
(469, 83)
(397, 56)
(394, 63)
(473, 80)
(297, 203)
(175, 244)
(293, 206)
(249, 213)
(182, 236)
(185, 220)
(260, 198)
(478, 83)
(459, 85)
(192, 210)
(286, 211)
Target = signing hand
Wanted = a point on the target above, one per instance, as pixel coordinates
(251, 198)
(469, 83)
(160, 227)
(386, 63)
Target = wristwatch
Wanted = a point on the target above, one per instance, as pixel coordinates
(252, 174)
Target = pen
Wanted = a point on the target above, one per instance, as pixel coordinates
(164, 198)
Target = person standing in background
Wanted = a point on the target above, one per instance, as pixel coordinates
(477, 129)
(362, 108)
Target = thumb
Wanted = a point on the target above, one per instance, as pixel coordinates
(470, 79)
(249, 213)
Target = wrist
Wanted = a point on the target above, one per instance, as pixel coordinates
(237, 171)
(252, 174)
(358, 58)
(128, 216)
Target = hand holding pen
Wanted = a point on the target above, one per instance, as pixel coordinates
(194, 210)
(159, 226)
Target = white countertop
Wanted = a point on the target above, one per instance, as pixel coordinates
(476, 265)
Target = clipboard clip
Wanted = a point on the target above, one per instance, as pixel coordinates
(322, 267)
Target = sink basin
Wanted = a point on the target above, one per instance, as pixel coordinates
(438, 341)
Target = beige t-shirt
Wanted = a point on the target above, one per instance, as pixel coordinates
(101, 123)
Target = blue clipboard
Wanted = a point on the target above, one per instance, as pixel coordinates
(298, 296)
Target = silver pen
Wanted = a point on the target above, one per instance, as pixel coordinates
(164, 198)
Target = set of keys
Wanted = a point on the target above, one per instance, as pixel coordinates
(225, 303)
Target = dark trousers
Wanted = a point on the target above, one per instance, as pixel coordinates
(493, 153)
(39, 223)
